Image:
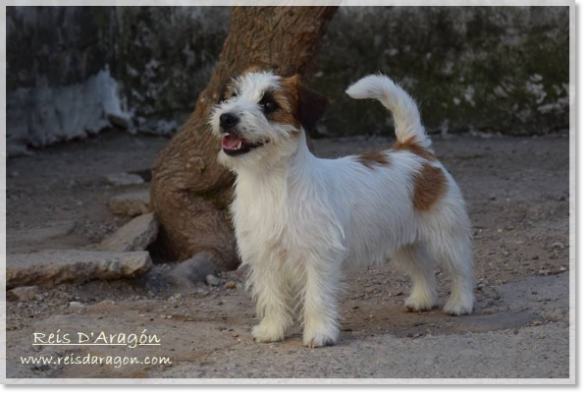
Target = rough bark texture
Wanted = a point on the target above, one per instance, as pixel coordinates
(190, 190)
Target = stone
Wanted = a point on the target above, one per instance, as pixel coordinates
(136, 235)
(23, 294)
(53, 267)
(76, 305)
(558, 245)
(192, 271)
(554, 315)
(124, 179)
(119, 122)
(212, 280)
(230, 285)
(131, 203)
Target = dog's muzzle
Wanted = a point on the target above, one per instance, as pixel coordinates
(228, 121)
(232, 143)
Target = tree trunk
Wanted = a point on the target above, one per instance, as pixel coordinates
(190, 190)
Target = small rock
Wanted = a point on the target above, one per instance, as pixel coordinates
(554, 315)
(544, 272)
(201, 292)
(558, 245)
(123, 179)
(230, 285)
(76, 305)
(131, 203)
(134, 236)
(212, 280)
(23, 294)
(118, 121)
(189, 273)
(535, 257)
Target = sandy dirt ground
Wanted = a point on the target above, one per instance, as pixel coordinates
(517, 191)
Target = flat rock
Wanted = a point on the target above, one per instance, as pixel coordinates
(52, 267)
(131, 203)
(122, 179)
(23, 294)
(134, 236)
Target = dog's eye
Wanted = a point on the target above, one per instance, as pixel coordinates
(268, 104)
(229, 96)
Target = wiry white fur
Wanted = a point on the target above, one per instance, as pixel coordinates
(301, 220)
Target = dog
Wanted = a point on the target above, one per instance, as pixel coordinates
(301, 221)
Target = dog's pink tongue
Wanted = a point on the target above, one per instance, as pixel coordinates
(229, 141)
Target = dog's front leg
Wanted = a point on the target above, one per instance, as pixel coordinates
(321, 304)
(272, 303)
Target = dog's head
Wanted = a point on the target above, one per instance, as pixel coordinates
(262, 116)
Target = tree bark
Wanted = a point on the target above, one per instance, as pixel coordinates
(190, 190)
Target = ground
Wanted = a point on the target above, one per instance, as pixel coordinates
(517, 191)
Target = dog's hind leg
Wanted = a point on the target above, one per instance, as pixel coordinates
(454, 251)
(414, 260)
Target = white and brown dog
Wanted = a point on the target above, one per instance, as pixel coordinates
(301, 220)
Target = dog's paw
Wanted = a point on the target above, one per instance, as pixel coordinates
(457, 306)
(315, 340)
(266, 333)
(419, 303)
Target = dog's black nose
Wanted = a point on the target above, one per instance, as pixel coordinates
(228, 120)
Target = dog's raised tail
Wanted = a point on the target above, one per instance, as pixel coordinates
(408, 125)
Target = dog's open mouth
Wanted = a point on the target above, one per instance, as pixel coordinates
(233, 145)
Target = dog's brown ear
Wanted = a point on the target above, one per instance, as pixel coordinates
(312, 106)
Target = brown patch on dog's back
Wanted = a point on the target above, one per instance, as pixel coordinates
(371, 159)
(430, 185)
(414, 147)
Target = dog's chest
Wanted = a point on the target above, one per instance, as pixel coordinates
(270, 222)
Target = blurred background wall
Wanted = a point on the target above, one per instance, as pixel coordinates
(74, 71)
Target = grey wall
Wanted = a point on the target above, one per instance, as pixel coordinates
(493, 69)
(72, 71)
